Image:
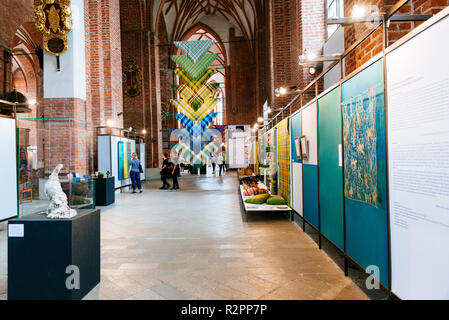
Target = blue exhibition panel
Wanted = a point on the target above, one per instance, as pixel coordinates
(295, 121)
(310, 191)
(331, 169)
(364, 160)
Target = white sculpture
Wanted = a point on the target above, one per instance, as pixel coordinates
(58, 207)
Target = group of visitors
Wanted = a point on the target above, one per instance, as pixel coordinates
(218, 159)
(170, 169)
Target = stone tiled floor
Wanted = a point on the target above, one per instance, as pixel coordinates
(194, 244)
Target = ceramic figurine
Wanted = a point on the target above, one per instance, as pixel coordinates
(58, 207)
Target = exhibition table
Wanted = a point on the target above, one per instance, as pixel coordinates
(262, 208)
(53, 259)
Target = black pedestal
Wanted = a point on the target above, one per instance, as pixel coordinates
(104, 191)
(38, 260)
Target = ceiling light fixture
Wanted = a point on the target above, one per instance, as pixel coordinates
(358, 12)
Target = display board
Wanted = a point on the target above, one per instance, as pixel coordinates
(238, 147)
(141, 153)
(364, 159)
(310, 165)
(108, 157)
(296, 164)
(331, 167)
(283, 142)
(418, 143)
(124, 159)
(8, 168)
(273, 160)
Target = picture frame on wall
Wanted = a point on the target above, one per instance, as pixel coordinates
(304, 148)
(298, 148)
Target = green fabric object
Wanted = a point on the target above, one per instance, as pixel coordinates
(276, 201)
(195, 49)
(195, 70)
(259, 199)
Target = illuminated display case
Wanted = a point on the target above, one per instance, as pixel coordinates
(43, 143)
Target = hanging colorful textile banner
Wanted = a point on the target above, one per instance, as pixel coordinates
(183, 107)
(188, 124)
(196, 98)
(195, 49)
(195, 70)
(195, 84)
(283, 137)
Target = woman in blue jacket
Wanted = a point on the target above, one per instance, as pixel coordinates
(134, 172)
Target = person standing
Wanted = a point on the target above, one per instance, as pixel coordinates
(164, 172)
(220, 163)
(175, 171)
(134, 172)
(223, 153)
(213, 161)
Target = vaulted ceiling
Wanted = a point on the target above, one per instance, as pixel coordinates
(182, 15)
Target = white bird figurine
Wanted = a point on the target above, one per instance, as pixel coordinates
(58, 207)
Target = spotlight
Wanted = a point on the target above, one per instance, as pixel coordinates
(110, 123)
(256, 125)
(32, 102)
(311, 55)
(358, 12)
(144, 131)
(260, 119)
(282, 90)
(312, 70)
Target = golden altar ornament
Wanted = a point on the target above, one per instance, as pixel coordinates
(53, 18)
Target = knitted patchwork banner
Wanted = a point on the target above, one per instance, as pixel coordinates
(195, 69)
(283, 140)
(207, 121)
(195, 84)
(195, 49)
(196, 101)
(197, 98)
(183, 106)
(189, 125)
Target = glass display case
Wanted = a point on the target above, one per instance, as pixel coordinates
(43, 143)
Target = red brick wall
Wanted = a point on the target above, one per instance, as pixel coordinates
(13, 13)
(284, 47)
(138, 44)
(296, 26)
(373, 44)
(241, 82)
(61, 141)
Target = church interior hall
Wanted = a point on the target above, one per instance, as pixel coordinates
(224, 150)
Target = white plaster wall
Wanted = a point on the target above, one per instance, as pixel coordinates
(70, 82)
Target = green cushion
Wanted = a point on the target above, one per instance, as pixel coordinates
(259, 199)
(276, 200)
